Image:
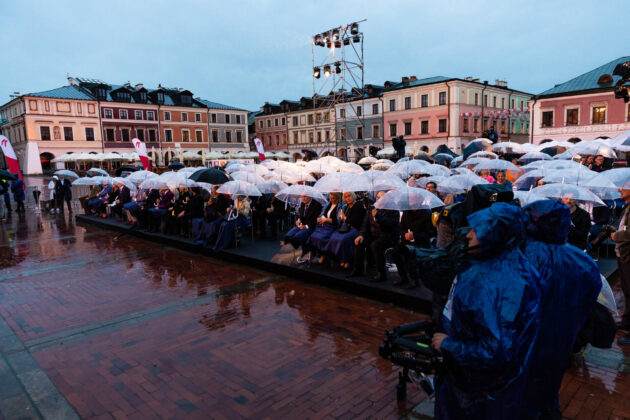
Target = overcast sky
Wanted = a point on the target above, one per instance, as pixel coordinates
(244, 53)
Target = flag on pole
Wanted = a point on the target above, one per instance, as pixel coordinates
(9, 155)
(260, 148)
(141, 149)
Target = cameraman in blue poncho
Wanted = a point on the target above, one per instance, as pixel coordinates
(490, 321)
(569, 284)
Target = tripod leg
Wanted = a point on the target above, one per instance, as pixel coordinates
(401, 387)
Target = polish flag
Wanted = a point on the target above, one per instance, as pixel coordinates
(9, 155)
(260, 148)
(141, 149)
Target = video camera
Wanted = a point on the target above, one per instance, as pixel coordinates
(409, 346)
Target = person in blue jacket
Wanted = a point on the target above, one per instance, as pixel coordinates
(490, 321)
(17, 188)
(569, 283)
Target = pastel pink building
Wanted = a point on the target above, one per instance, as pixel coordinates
(582, 108)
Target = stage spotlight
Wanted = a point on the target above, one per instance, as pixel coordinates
(329, 43)
(346, 41)
(335, 35)
(354, 28)
(316, 72)
(327, 71)
(337, 44)
(318, 40)
(337, 67)
(356, 39)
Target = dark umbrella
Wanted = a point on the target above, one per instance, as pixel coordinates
(442, 158)
(127, 168)
(310, 154)
(7, 175)
(442, 148)
(211, 176)
(424, 156)
(554, 150)
(477, 146)
(176, 165)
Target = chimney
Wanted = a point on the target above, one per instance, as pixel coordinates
(139, 86)
(412, 78)
(500, 83)
(405, 79)
(128, 85)
(469, 79)
(475, 80)
(71, 81)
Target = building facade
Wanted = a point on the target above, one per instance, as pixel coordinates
(582, 108)
(271, 126)
(311, 128)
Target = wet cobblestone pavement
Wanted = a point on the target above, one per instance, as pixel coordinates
(93, 325)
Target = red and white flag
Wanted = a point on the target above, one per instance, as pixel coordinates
(9, 155)
(260, 148)
(141, 149)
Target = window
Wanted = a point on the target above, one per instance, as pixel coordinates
(512, 128)
(295, 121)
(476, 99)
(150, 116)
(125, 134)
(502, 103)
(310, 137)
(485, 100)
(138, 115)
(122, 114)
(342, 133)
(359, 111)
(494, 102)
(277, 140)
(424, 127)
(327, 135)
(45, 133)
(198, 117)
(143, 97)
(502, 126)
(140, 134)
(547, 119)
(168, 136)
(89, 133)
(392, 130)
(319, 136)
(268, 123)
(513, 103)
(521, 104)
(442, 125)
(310, 119)
(187, 100)
(160, 97)
(599, 114)
(392, 105)
(572, 116)
(342, 113)
(215, 136)
(109, 134)
(67, 134)
(408, 102)
(185, 135)
(485, 124)
(239, 136)
(167, 116)
(295, 138)
(101, 93)
(228, 135)
(374, 109)
(227, 118)
(424, 101)
(476, 125)
(123, 96)
(260, 123)
(238, 119)
(152, 135)
(628, 113)
(199, 136)
(109, 113)
(359, 132)
(276, 122)
(376, 130)
(214, 119)
(408, 128)
(465, 128)
(184, 116)
(442, 98)
(269, 141)
(284, 139)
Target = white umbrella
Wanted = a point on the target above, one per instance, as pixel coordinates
(436, 170)
(472, 162)
(97, 172)
(483, 154)
(234, 167)
(67, 173)
(140, 176)
(482, 140)
(126, 182)
(95, 180)
(255, 169)
(282, 155)
(533, 156)
(62, 158)
(247, 177)
(508, 147)
(352, 168)
(571, 191)
(496, 165)
(561, 164)
(382, 166)
(422, 182)
(292, 195)
(461, 171)
(341, 182)
(570, 176)
(368, 160)
(593, 148)
(239, 188)
(408, 198)
(388, 151)
(460, 183)
(618, 176)
(271, 187)
(408, 168)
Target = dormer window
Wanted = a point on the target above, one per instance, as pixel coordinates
(142, 97)
(101, 93)
(160, 97)
(123, 96)
(186, 99)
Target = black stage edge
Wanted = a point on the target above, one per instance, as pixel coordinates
(274, 257)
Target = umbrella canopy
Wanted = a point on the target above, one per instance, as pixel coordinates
(255, 169)
(496, 165)
(621, 141)
(127, 168)
(126, 182)
(422, 182)
(176, 165)
(140, 176)
(461, 171)
(477, 145)
(458, 184)
(508, 147)
(381, 181)
(408, 168)
(527, 197)
(211, 176)
(234, 167)
(620, 177)
(408, 198)
(95, 180)
(271, 187)
(292, 195)
(382, 166)
(341, 182)
(247, 177)
(367, 160)
(388, 151)
(533, 156)
(441, 158)
(593, 148)
(443, 149)
(67, 173)
(560, 164)
(571, 191)
(7, 175)
(483, 154)
(570, 176)
(352, 168)
(472, 162)
(553, 150)
(97, 172)
(239, 188)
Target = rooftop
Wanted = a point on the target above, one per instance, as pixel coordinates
(64, 92)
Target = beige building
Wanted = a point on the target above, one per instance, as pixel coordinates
(311, 128)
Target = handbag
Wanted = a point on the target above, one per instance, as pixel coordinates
(344, 228)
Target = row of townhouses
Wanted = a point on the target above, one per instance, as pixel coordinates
(442, 110)
(96, 117)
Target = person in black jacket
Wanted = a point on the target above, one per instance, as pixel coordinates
(305, 225)
(327, 224)
(416, 230)
(379, 232)
(124, 197)
(341, 242)
(580, 225)
(214, 214)
(67, 192)
(274, 211)
(59, 190)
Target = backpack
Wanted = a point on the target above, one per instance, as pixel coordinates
(599, 329)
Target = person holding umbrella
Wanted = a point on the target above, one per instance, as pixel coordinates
(17, 188)
(304, 226)
(67, 192)
(59, 190)
(621, 236)
(3, 210)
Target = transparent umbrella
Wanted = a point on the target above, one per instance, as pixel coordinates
(571, 191)
(436, 170)
(527, 197)
(460, 183)
(65, 172)
(95, 180)
(382, 166)
(593, 148)
(352, 168)
(508, 147)
(255, 169)
(534, 156)
(234, 167)
(472, 162)
(408, 198)
(140, 176)
(126, 182)
(496, 165)
(461, 171)
(422, 182)
(341, 182)
(406, 169)
(569, 176)
(247, 177)
(239, 188)
(271, 187)
(381, 181)
(368, 160)
(293, 194)
(483, 154)
(97, 172)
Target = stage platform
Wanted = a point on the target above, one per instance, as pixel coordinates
(275, 257)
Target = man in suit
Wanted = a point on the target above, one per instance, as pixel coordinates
(304, 226)
(622, 250)
(95, 204)
(124, 197)
(378, 233)
(416, 230)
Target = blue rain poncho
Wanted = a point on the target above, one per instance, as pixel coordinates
(569, 284)
(491, 319)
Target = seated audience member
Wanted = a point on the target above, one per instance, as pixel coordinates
(97, 205)
(304, 226)
(502, 180)
(341, 242)
(124, 197)
(193, 211)
(327, 223)
(94, 190)
(431, 187)
(215, 212)
(238, 217)
(379, 232)
(135, 206)
(580, 225)
(416, 230)
(274, 212)
(161, 209)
